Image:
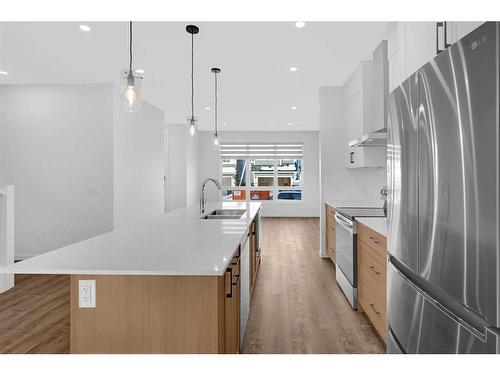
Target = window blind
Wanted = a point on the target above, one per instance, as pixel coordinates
(261, 150)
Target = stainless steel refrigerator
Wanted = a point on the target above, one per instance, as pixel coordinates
(443, 202)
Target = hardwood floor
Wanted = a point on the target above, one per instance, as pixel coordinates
(34, 315)
(297, 307)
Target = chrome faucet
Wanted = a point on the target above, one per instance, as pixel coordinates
(203, 201)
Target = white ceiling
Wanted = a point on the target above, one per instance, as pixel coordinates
(257, 89)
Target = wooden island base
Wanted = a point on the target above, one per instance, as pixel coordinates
(157, 314)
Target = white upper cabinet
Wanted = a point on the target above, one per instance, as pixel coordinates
(416, 46)
(457, 30)
(412, 44)
(357, 92)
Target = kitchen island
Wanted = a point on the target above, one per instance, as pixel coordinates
(175, 283)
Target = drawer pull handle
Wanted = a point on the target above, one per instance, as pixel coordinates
(372, 306)
(374, 240)
(230, 293)
(375, 271)
(237, 277)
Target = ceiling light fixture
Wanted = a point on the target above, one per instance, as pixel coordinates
(293, 68)
(289, 123)
(207, 108)
(193, 127)
(139, 71)
(293, 107)
(216, 140)
(85, 28)
(3, 73)
(131, 83)
(300, 24)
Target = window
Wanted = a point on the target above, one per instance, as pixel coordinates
(262, 172)
(289, 172)
(234, 172)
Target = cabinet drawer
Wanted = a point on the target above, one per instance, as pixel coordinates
(375, 310)
(372, 270)
(373, 239)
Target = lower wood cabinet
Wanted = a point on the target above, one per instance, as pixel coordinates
(163, 314)
(330, 228)
(372, 278)
(254, 255)
(232, 307)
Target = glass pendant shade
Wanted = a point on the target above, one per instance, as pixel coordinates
(193, 129)
(216, 141)
(131, 91)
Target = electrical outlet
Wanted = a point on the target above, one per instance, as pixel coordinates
(86, 294)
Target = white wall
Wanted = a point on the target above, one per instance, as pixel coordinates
(138, 161)
(56, 145)
(341, 186)
(181, 168)
(309, 205)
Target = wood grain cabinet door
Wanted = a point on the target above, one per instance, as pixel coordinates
(330, 232)
(372, 278)
(232, 309)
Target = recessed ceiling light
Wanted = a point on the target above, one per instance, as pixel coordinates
(3, 73)
(84, 28)
(293, 107)
(139, 71)
(224, 124)
(300, 24)
(207, 108)
(293, 68)
(289, 123)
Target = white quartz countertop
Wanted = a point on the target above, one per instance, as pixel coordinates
(378, 224)
(175, 243)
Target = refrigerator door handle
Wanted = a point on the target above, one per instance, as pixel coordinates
(467, 318)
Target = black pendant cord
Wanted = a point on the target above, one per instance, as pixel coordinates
(130, 48)
(216, 105)
(192, 78)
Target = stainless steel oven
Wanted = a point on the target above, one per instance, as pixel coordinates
(346, 237)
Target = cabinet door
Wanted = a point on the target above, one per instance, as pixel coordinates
(232, 313)
(457, 30)
(330, 233)
(416, 45)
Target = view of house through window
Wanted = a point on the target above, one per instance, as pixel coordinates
(275, 176)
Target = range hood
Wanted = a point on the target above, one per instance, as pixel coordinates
(371, 139)
(376, 136)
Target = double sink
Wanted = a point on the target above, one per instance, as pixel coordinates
(225, 214)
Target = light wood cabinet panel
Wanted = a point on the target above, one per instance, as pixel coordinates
(373, 239)
(372, 277)
(254, 255)
(149, 314)
(232, 308)
(159, 314)
(375, 310)
(330, 232)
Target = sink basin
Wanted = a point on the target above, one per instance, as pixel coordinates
(225, 214)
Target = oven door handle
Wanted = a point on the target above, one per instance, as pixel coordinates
(345, 224)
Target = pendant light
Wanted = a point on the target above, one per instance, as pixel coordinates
(131, 83)
(192, 121)
(216, 139)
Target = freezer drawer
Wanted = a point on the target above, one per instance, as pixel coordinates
(421, 325)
